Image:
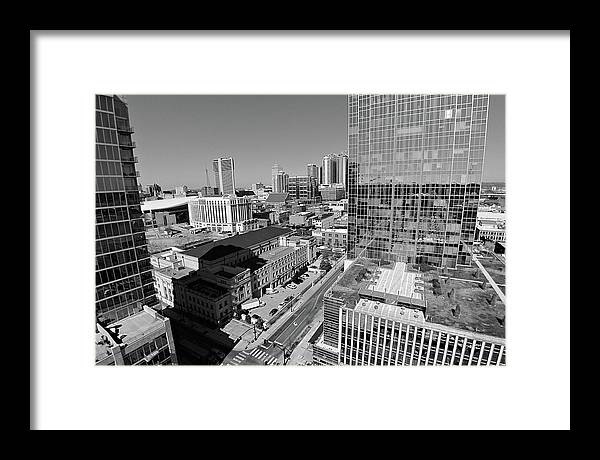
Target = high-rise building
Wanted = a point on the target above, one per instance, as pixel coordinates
(415, 164)
(224, 175)
(302, 187)
(312, 170)
(275, 170)
(329, 174)
(342, 169)
(334, 169)
(128, 331)
(281, 182)
(123, 270)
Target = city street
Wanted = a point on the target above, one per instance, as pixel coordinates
(303, 314)
(274, 300)
(292, 329)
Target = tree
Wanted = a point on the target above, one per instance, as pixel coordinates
(325, 265)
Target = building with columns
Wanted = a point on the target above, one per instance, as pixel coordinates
(222, 214)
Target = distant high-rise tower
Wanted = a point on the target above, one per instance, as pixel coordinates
(342, 169)
(415, 165)
(281, 183)
(279, 179)
(312, 170)
(123, 272)
(275, 170)
(329, 175)
(224, 175)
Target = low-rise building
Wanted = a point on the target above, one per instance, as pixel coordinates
(196, 296)
(144, 338)
(262, 223)
(490, 226)
(278, 201)
(207, 191)
(163, 282)
(338, 207)
(324, 221)
(167, 258)
(331, 237)
(302, 219)
(215, 255)
(297, 241)
(236, 280)
(164, 212)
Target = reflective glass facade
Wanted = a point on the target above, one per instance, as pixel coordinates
(415, 165)
(123, 272)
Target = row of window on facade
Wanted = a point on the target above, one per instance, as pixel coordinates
(120, 243)
(112, 199)
(159, 344)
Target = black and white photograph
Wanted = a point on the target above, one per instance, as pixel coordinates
(303, 229)
(300, 230)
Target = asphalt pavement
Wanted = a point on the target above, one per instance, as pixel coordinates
(295, 325)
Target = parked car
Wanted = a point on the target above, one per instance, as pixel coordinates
(288, 298)
(273, 311)
(292, 286)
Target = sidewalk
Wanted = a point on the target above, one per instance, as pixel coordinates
(332, 273)
(302, 354)
(247, 342)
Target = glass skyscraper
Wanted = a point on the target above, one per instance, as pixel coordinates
(415, 165)
(123, 272)
(224, 175)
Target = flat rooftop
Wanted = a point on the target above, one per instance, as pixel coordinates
(254, 263)
(392, 312)
(220, 251)
(175, 273)
(156, 205)
(231, 272)
(127, 330)
(276, 253)
(245, 240)
(394, 283)
(479, 312)
(397, 280)
(431, 292)
(134, 326)
(207, 289)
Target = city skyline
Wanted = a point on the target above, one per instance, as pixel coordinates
(171, 272)
(257, 131)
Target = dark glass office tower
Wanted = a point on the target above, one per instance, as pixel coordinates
(123, 271)
(415, 165)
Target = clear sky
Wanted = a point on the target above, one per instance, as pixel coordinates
(178, 136)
